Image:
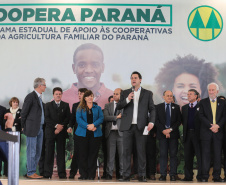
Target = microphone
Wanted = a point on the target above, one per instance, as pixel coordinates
(133, 89)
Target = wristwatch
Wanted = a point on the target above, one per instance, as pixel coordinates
(171, 129)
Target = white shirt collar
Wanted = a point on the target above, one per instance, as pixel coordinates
(213, 99)
(167, 103)
(194, 104)
(39, 95)
(138, 89)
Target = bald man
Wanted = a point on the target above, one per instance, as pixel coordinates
(112, 116)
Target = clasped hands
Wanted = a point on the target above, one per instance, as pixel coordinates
(214, 128)
(59, 128)
(91, 127)
(166, 132)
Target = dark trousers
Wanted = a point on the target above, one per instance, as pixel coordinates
(75, 159)
(140, 140)
(134, 169)
(166, 145)
(88, 153)
(206, 156)
(42, 158)
(104, 148)
(117, 164)
(224, 151)
(49, 155)
(191, 148)
(151, 155)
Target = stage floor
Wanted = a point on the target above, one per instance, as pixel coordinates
(56, 181)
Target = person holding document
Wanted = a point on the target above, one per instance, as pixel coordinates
(137, 102)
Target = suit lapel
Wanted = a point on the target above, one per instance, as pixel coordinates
(54, 105)
(37, 98)
(218, 107)
(208, 105)
(112, 108)
(141, 94)
(163, 111)
(172, 112)
(186, 116)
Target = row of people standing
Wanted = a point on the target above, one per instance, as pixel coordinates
(138, 109)
(203, 132)
(203, 128)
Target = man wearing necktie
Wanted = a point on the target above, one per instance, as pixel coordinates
(212, 116)
(191, 136)
(57, 116)
(112, 116)
(168, 119)
(32, 121)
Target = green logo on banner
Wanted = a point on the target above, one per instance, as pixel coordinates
(205, 23)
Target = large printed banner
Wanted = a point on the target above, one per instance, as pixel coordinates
(174, 44)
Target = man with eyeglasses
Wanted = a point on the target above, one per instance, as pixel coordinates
(32, 121)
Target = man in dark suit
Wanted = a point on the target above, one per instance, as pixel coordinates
(2, 112)
(191, 136)
(32, 120)
(57, 116)
(74, 124)
(168, 119)
(212, 116)
(138, 112)
(112, 117)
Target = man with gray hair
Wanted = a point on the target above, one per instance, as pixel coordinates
(212, 116)
(32, 120)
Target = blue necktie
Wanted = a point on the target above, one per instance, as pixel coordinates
(42, 117)
(167, 116)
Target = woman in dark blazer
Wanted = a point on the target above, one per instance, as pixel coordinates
(89, 118)
(15, 111)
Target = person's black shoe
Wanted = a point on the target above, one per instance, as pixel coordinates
(119, 177)
(142, 179)
(134, 177)
(199, 179)
(219, 180)
(152, 177)
(47, 177)
(71, 176)
(162, 178)
(91, 178)
(125, 179)
(25, 175)
(62, 177)
(108, 177)
(186, 179)
(103, 176)
(82, 178)
(172, 178)
(177, 178)
(204, 180)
